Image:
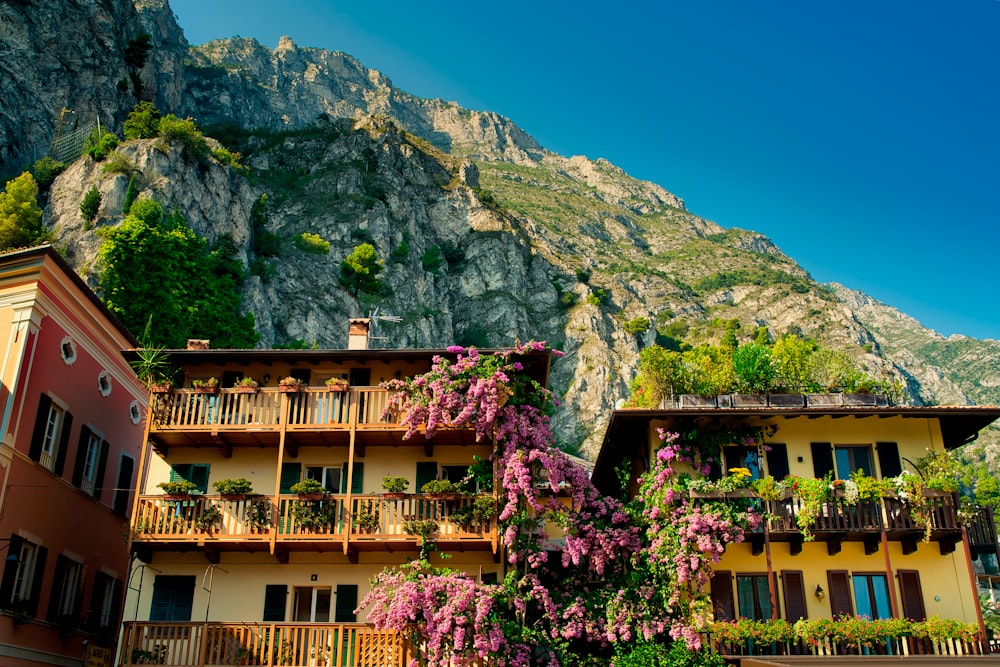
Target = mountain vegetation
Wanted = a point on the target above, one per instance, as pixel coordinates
(272, 168)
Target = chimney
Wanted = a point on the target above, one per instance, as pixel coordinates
(197, 343)
(357, 333)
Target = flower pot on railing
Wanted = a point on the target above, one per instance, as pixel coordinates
(740, 493)
(246, 386)
(708, 494)
(290, 385)
(161, 388)
(337, 384)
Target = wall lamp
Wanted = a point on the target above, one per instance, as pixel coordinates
(820, 593)
(267, 378)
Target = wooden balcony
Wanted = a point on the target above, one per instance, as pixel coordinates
(264, 644)
(950, 651)
(311, 417)
(289, 523)
(863, 522)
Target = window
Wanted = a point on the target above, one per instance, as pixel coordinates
(743, 457)
(66, 591)
(196, 473)
(67, 350)
(850, 458)
(91, 459)
(754, 596)
(871, 596)
(347, 602)
(22, 576)
(103, 614)
(328, 476)
(311, 604)
(274, 603)
(50, 439)
(173, 598)
(104, 383)
(134, 412)
(456, 475)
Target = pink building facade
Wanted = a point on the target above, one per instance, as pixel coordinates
(71, 425)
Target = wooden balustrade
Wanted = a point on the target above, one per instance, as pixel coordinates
(370, 517)
(900, 647)
(264, 644)
(193, 409)
(864, 517)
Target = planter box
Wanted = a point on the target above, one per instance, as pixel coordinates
(749, 400)
(339, 388)
(707, 494)
(740, 493)
(817, 400)
(858, 399)
(786, 400)
(696, 401)
(246, 390)
(289, 388)
(319, 495)
(205, 390)
(394, 495)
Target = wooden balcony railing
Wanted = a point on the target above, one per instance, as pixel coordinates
(899, 647)
(201, 518)
(865, 517)
(263, 644)
(192, 409)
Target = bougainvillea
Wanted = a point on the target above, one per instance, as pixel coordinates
(622, 574)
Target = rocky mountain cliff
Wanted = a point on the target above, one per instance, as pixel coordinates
(529, 244)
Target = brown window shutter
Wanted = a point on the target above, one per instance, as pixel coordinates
(912, 596)
(840, 593)
(794, 588)
(722, 596)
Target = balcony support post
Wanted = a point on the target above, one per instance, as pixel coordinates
(348, 502)
(888, 575)
(983, 641)
(141, 473)
(275, 502)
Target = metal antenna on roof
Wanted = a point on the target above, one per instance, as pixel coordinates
(375, 319)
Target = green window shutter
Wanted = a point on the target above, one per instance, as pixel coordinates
(180, 471)
(38, 434)
(36, 584)
(888, 459)
(67, 425)
(81, 455)
(822, 455)
(199, 476)
(173, 598)
(102, 464)
(427, 471)
(274, 603)
(357, 479)
(347, 602)
(291, 473)
(777, 460)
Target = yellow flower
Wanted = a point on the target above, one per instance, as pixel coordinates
(743, 472)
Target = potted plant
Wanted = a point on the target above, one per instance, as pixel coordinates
(206, 386)
(309, 489)
(337, 384)
(395, 486)
(703, 488)
(441, 489)
(290, 385)
(179, 489)
(478, 513)
(422, 528)
(233, 488)
(368, 519)
(259, 515)
(153, 369)
(208, 519)
(246, 385)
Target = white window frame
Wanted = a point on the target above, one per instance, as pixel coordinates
(327, 470)
(104, 383)
(69, 587)
(68, 357)
(107, 601)
(54, 423)
(88, 481)
(24, 577)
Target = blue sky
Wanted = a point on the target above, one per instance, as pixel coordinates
(862, 137)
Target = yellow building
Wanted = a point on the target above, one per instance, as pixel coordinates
(869, 559)
(274, 577)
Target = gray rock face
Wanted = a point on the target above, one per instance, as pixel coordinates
(531, 244)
